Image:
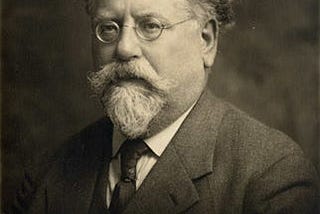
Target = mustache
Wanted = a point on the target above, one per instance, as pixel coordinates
(113, 73)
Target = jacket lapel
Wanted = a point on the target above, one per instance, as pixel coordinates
(169, 187)
(84, 168)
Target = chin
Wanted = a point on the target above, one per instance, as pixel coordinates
(131, 106)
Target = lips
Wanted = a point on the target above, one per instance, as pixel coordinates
(123, 78)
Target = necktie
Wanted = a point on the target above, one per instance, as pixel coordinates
(130, 151)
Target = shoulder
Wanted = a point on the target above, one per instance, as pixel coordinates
(87, 143)
(262, 166)
(76, 156)
(256, 145)
(83, 144)
(254, 140)
(251, 147)
(238, 139)
(270, 165)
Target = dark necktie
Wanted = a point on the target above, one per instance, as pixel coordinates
(130, 151)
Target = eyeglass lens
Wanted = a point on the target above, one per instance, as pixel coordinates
(147, 29)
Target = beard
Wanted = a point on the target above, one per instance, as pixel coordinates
(132, 94)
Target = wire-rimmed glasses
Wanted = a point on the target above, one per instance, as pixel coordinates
(147, 29)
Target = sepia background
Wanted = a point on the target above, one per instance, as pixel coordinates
(267, 65)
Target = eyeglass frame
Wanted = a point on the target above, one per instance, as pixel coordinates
(135, 27)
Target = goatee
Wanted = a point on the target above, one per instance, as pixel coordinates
(132, 94)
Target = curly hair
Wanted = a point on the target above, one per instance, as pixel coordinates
(204, 10)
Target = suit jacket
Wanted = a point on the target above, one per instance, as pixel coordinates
(219, 161)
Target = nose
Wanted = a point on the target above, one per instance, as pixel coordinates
(128, 45)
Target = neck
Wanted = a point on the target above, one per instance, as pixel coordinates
(171, 112)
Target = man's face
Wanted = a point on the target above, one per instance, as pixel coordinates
(172, 64)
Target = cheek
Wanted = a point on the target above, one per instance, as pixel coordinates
(101, 53)
(179, 59)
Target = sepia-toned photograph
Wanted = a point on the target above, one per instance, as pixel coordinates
(160, 106)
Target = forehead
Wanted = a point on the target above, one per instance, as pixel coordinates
(169, 9)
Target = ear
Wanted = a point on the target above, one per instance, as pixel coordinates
(209, 36)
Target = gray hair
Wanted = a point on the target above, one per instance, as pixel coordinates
(221, 10)
(204, 10)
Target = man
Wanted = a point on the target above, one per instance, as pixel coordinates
(167, 145)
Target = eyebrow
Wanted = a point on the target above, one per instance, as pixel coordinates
(150, 14)
(105, 15)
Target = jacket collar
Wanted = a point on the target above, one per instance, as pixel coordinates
(195, 141)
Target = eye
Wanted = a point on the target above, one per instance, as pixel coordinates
(107, 31)
(150, 26)
(108, 28)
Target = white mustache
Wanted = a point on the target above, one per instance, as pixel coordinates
(136, 69)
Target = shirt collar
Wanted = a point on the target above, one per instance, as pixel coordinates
(158, 142)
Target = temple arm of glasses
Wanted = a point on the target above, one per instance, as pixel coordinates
(177, 23)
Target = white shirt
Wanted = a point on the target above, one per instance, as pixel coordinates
(157, 143)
